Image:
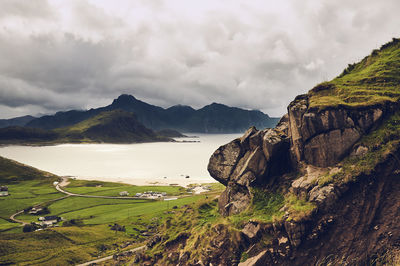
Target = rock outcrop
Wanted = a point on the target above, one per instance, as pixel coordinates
(323, 138)
(312, 143)
(250, 161)
(305, 137)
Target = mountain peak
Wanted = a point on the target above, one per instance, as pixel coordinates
(124, 99)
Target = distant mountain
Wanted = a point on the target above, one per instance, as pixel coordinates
(115, 126)
(26, 135)
(213, 118)
(219, 118)
(17, 121)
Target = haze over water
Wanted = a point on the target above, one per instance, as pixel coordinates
(137, 164)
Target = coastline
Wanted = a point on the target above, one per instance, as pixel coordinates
(169, 181)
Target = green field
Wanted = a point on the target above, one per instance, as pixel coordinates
(90, 234)
(113, 189)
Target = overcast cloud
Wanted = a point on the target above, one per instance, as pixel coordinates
(58, 55)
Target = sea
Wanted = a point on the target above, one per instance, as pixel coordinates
(161, 163)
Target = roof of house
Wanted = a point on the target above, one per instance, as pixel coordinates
(3, 188)
(49, 218)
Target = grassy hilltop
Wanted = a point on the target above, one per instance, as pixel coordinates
(374, 80)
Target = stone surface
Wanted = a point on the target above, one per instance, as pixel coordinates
(258, 260)
(324, 138)
(252, 231)
(250, 161)
(224, 160)
(295, 232)
(324, 196)
(234, 199)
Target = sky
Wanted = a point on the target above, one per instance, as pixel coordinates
(79, 54)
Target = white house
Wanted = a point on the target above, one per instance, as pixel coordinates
(3, 191)
(124, 193)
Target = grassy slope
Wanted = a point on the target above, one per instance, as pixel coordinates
(74, 244)
(374, 80)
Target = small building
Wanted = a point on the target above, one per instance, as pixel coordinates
(55, 183)
(3, 191)
(49, 220)
(124, 193)
(35, 210)
(138, 194)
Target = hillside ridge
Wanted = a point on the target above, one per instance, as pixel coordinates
(213, 118)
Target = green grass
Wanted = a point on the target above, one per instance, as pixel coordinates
(58, 246)
(374, 80)
(298, 208)
(14, 172)
(265, 208)
(26, 194)
(114, 212)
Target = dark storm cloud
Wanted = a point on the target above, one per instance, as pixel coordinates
(59, 55)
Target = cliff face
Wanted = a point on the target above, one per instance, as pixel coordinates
(352, 221)
(342, 159)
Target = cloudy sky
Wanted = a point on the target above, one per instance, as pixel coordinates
(59, 55)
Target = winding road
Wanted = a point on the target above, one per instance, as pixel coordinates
(65, 182)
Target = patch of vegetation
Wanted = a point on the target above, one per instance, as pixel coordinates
(374, 80)
(244, 257)
(14, 172)
(298, 208)
(265, 208)
(390, 257)
(57, 246)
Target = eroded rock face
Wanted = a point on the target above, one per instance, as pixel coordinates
(324, 138)
(304, 136)
(250, 161)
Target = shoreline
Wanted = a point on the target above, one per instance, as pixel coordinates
(169, 181)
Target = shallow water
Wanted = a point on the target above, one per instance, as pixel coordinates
(140, 164)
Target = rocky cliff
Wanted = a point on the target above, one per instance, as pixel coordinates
(321, 188)
(336, 166)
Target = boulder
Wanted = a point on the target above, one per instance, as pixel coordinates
(251, 231)
(234, 199)
(324, 196)
(250, 161)
(224, 160)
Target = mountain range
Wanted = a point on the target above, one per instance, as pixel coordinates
(213, 118)
(115, 126)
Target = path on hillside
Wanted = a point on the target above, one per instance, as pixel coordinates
(64, 182)
(12, 217)
(109, 257)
